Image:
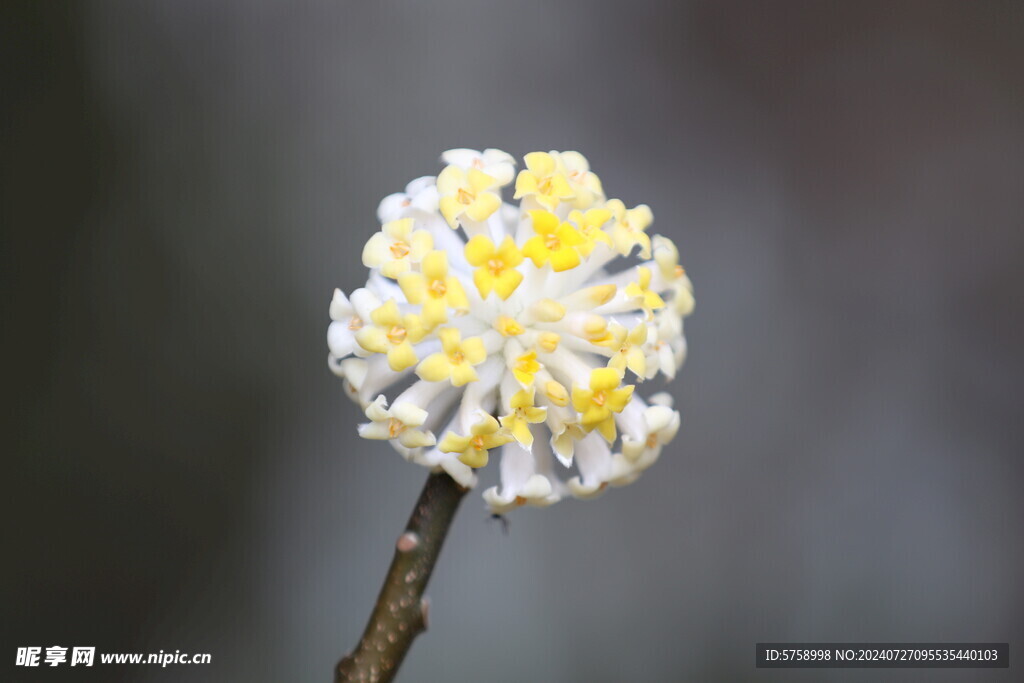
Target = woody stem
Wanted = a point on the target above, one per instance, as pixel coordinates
(400, 613)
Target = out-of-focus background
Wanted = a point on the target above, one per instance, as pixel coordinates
(184, 183)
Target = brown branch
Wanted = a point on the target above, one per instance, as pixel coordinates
(401, 610)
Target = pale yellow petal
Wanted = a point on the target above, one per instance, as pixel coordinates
(653, 300)
(398, 230)
(435, 265)
(486, 203)
(456, 295)
(421, 243)
(480, 181)
(375, 252)
(372, 339)
(450, 180)
(474, 351)
(640, 217)
(463, 373)
(474, 458)
(487, 424)
(450, 339)
(386, 314)
(414, 286)
(521, 432)
(401, 356)
(560, 187)
(617, 208)
(435, 368)
(636, 361)
(522, 398)
(535, 415)
(526, 184)
(435, 312)
(395, 268)
(540, 163)
(453, 443)
(450, 209)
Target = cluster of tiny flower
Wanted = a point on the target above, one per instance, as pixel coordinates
(513, 333)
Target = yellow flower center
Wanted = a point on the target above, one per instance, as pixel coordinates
(464, 196)
(496, 266)
(438, 288)
(399, 249)
(652, 441)
(457, 357)
(355, 323)
(552, 242)
(477, 442)
(548, 341)
(395, 427)
(679, 272)
(397, 334)
(508, 327)
(544, 186)
(599, 397)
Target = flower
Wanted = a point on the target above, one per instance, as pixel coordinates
(348, 316)
(603, 397)
(396, 248)
(629, 227)
(393, 334)
(543, 180)
(502, 327)
(472, 450)
(495, 163)
(556, 242)
(525, 368)
(418, 200)
(628, 348)
(496, 271)
(589, 226)
(467, 194)
(435, 289)
(660, 424)
(456, 359)
(646, 298)
(398, 422)
(584, 182)
(523, 414)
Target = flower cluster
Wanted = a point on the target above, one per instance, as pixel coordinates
(500, 327)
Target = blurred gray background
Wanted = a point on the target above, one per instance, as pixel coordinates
(185, 182)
